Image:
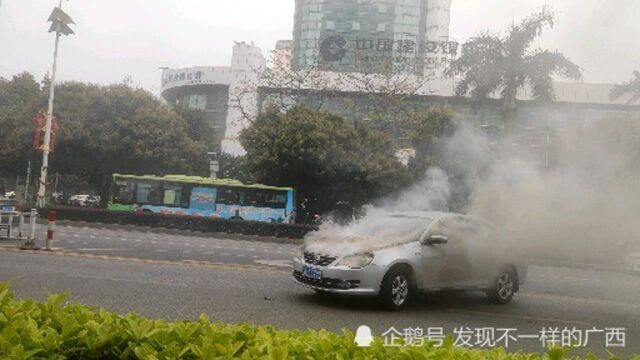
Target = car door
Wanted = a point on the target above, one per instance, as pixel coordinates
(445, 263)
(433, 257)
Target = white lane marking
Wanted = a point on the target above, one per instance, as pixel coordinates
(161, 251)
(127, 280)
(208, 253)
(276, 263)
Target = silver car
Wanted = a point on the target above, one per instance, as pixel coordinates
(431, 251)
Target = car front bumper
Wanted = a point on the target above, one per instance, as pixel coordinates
(341, 279)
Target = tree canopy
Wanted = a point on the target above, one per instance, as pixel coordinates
(15, 96)
(103, 130)
(504, 64)
(331, 163)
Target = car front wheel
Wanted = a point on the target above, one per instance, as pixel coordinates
(396, 289)
(504, 287)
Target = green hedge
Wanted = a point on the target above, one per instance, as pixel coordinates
(292, 231)
(59, 330)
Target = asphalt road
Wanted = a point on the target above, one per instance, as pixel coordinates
(168, 245)
(181, 275)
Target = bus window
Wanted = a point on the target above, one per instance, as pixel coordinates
(172, 195)
(275, 199)
(228, 196)
(252, 198)
(264, 198)
(149, 193)
(124, 192)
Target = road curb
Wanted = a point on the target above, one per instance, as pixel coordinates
(189, 263)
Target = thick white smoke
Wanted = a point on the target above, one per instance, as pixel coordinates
(379, 227)
(580, 203)
(583, 207)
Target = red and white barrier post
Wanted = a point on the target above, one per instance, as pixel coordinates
(51, 227)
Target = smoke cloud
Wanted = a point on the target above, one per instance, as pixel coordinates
(574, 199)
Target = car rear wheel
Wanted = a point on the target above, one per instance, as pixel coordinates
(396, 289)
(504, 287)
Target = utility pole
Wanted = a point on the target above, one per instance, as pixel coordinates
(28, 181)
(60, 22)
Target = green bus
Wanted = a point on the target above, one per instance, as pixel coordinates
(202, 197)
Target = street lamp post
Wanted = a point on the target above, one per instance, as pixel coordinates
(60, 22)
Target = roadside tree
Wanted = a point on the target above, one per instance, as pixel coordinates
(16, 128)
(335, 166)
(103, 130)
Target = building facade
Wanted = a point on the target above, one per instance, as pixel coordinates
(372, 36)
(224, 93)
(341, 50)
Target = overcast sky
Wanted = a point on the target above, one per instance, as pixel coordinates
(120, 38)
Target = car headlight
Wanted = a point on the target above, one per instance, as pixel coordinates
(356, 261)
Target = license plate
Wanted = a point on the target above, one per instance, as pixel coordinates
(312, 273)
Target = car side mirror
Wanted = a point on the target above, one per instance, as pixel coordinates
(436, 240)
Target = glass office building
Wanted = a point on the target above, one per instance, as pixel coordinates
(369, 36)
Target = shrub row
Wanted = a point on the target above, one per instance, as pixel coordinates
(59, 330)
(182, 222)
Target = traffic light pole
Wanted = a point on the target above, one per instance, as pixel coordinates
(42, 190)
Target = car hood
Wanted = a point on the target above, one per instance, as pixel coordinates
(379, 229)
(351, 245)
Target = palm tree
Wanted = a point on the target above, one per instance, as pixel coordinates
(631, 87)
(492, 63)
